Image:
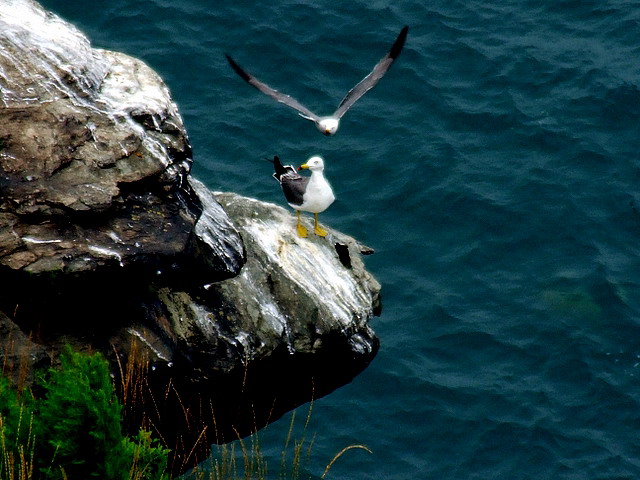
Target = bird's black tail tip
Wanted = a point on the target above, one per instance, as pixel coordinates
(277, 166)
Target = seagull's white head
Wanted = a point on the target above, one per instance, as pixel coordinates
(314, 163)
(328, 125)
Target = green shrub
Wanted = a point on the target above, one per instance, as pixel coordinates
(78, 423)
(73, 429)
(147, 459)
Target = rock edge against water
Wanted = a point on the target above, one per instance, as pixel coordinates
(217, 318)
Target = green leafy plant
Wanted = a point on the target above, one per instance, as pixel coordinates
(73, 429)
(79, 420)
(147, 459)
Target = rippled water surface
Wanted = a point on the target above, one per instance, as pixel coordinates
(495, 172)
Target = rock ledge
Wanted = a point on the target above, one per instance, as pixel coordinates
(217, 318)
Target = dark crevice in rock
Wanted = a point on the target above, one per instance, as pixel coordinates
(343, 254)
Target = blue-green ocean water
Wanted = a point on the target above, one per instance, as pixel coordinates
(494, 170)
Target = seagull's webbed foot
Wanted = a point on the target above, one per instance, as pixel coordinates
(321, 232)
(302, 231)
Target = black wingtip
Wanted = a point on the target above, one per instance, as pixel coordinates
(399, 43)
(244, 75)
(277, 166)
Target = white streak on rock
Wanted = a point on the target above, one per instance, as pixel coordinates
(215, 230)
(106, 252)
(40, 240)
(144, 340)
(114, 236)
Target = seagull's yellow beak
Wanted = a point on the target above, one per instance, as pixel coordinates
(305, 166)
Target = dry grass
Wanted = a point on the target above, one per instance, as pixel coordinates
(16, 460)
(249, 463)
(15, 364)
(240, 460)
(16, 454)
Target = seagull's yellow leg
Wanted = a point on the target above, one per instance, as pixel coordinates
(302, 231)
(317, 228)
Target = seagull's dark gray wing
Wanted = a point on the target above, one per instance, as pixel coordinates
(294, 188)
(266, 89)
(293, 184)
(368, 82)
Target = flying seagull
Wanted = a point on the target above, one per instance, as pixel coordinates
(329, 125)
(310, 194)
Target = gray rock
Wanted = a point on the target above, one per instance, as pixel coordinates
(293, 295)
(93, 158)
(293, 326)
(297, 290)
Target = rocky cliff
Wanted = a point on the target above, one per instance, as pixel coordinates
(216, 317)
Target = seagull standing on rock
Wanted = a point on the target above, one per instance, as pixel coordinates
(310, 194)
(329, 125)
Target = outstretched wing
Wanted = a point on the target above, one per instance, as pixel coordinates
(266, 89)
(368, 82)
